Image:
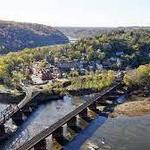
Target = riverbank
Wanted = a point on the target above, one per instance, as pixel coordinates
(136, 105)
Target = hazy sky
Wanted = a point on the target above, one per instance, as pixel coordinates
(78, 12)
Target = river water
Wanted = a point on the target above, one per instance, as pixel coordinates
(2, 106)
(42, 118)
(122, 133)
(114, 134)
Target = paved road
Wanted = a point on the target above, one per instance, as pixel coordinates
(12, 109)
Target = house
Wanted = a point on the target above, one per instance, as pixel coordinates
(99, 66)
(48, 73)
(118, 62)
(113, 59)
(107, 64)
(82, 71)
(119, 53)
(50, 59)
(66, 65)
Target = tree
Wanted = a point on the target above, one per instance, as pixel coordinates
(17, 79)
(138, 77)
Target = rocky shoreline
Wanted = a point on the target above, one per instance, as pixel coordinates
(44, 96)
(137, 104)
(9, 98)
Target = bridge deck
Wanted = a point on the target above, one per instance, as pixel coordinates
(45, 133)
(11, 109)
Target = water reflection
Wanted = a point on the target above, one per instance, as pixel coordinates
(102, 133)
(42, 118)
(121, 134)
(3, 106)
(86, 133)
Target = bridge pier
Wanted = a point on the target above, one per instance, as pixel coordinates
(105, 102)
(2, 131)
(27, 110)
(33, 105)
(58, 134)
(93, 107)
(112, 97)
(72, 122)
(117, 92)
(84, 114)
(42, 145)
(18, 118)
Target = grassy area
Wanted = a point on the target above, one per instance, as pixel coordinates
(93, 81)
(2, 87)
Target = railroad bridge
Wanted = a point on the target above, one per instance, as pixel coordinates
(17, 112)
(39, 142)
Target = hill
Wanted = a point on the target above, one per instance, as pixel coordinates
(16, 36)
(83, 32)
(122, 50)
(117, 49)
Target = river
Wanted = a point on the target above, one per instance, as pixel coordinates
(42, 118)
(2, 106)
(122, 133)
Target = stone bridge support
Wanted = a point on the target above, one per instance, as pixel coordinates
(72, 122)
(42, 145)
(117, 92)
(58, 134)
(18, 118)
(84, 114)
(27, 110)
(2, 131)
(104, 102)
(112, 97)
(93, 107)
(33, 105)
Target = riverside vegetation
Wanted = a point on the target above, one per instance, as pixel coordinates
(138, 103)
(131, 48)
(93, 82)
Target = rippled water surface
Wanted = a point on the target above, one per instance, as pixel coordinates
(121, 134)
(43, 117)
(3, 106)
(102, 133)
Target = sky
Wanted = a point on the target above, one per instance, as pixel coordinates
(85, 13)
